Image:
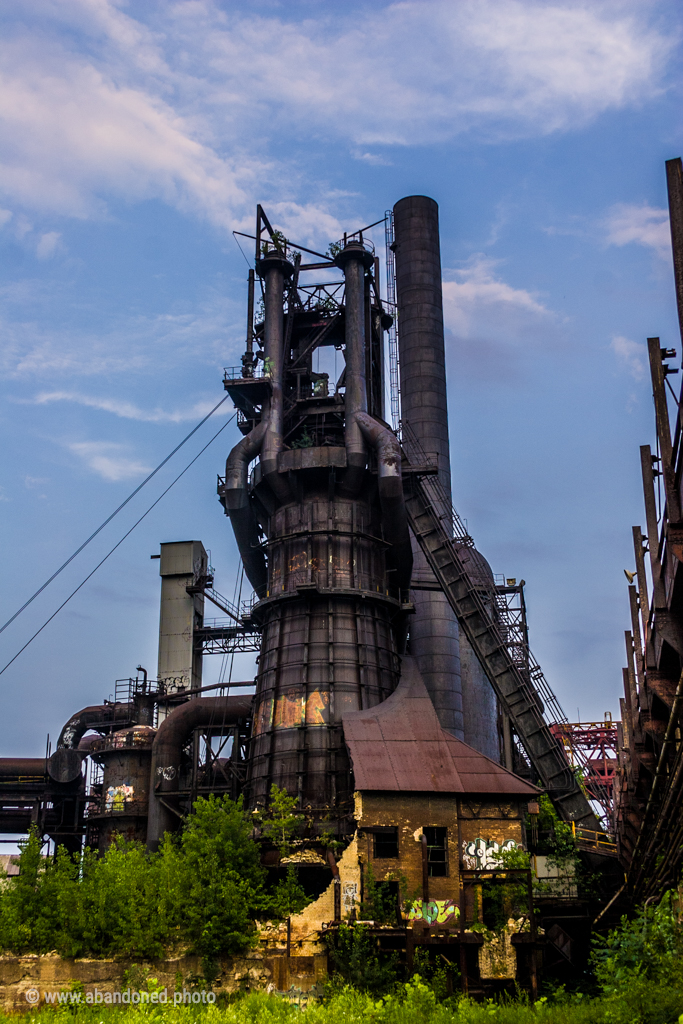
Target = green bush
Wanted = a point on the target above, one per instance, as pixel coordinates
(640, 963)
(202, 890)
(356, 961)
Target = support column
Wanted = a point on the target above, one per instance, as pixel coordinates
(183, 564)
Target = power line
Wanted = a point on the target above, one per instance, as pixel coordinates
(109, 518)
(120, 542)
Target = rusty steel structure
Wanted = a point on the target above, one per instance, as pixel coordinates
(592, 750)
(320, 522)
(358, 563)
(649, 782)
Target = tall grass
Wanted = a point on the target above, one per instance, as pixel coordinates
(412, 1003)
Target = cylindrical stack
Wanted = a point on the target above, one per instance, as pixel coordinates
(123, 806)
(328, 647)
(424, 406)
(434, 634)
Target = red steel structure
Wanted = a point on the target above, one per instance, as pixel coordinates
(592, 748)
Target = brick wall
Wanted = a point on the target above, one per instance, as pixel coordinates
(488, 819)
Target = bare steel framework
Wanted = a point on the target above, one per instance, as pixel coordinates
(649, 783)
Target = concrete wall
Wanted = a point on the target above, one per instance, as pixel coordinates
(263, 969)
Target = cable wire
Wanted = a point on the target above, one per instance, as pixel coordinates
(109, 518)
(120, 542)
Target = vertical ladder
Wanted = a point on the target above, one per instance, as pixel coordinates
(430, 520)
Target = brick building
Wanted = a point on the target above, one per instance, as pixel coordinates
(427, 805)
(427, 802)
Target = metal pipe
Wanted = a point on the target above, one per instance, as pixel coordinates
(248, 357)
(97, 715)
(392, 502)
(273, 268)
(354, 259)
(13, 767)
(167, 750)
(434, 635)
(238, 506)
(425, 870)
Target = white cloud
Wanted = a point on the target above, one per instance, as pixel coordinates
(184, 107)
(129, 411)
(374, 159)
(503, 67)
(106, 459)
(490, 324)
(630, 354)
(211, 334)
(47, 245)
(643, 224)
(72, 133)
(476, 291)
(5, 217)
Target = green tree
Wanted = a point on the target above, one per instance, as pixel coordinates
(219, 883)
(289, 896)
(280, 823)
(356, 961)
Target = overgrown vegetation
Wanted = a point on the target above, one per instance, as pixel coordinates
(409, 1002)
(202, 891)
(205, 890)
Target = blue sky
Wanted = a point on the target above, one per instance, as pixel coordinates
(135, 138)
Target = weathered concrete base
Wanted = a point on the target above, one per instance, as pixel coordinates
(25, 980)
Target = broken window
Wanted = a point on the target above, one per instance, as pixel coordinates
(385, 843)
(437, 851)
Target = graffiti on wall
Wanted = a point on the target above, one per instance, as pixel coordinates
(484, 854)
(434, 912)
(349, 896)
(115, 798)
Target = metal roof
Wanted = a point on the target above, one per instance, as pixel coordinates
(400, 745)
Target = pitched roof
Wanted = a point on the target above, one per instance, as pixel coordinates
(400, 745)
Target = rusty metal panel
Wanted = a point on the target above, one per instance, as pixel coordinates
(400, 745)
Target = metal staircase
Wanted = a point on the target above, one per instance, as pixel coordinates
(441, 536)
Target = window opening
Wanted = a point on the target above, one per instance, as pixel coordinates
(437, 851)
(385, 843)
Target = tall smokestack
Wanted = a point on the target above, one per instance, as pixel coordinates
(424, 406)
(461, 693)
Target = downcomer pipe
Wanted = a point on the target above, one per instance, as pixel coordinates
(433, 627)
(274, 268)
(392, 501)
(98, 715)
(238, 507)
(354, 259)
(167, 748)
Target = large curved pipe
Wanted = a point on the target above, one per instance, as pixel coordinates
(390, 484)
(238, 507)
(274, 268)
(353, 259)
(167, 748)
(95, 716)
